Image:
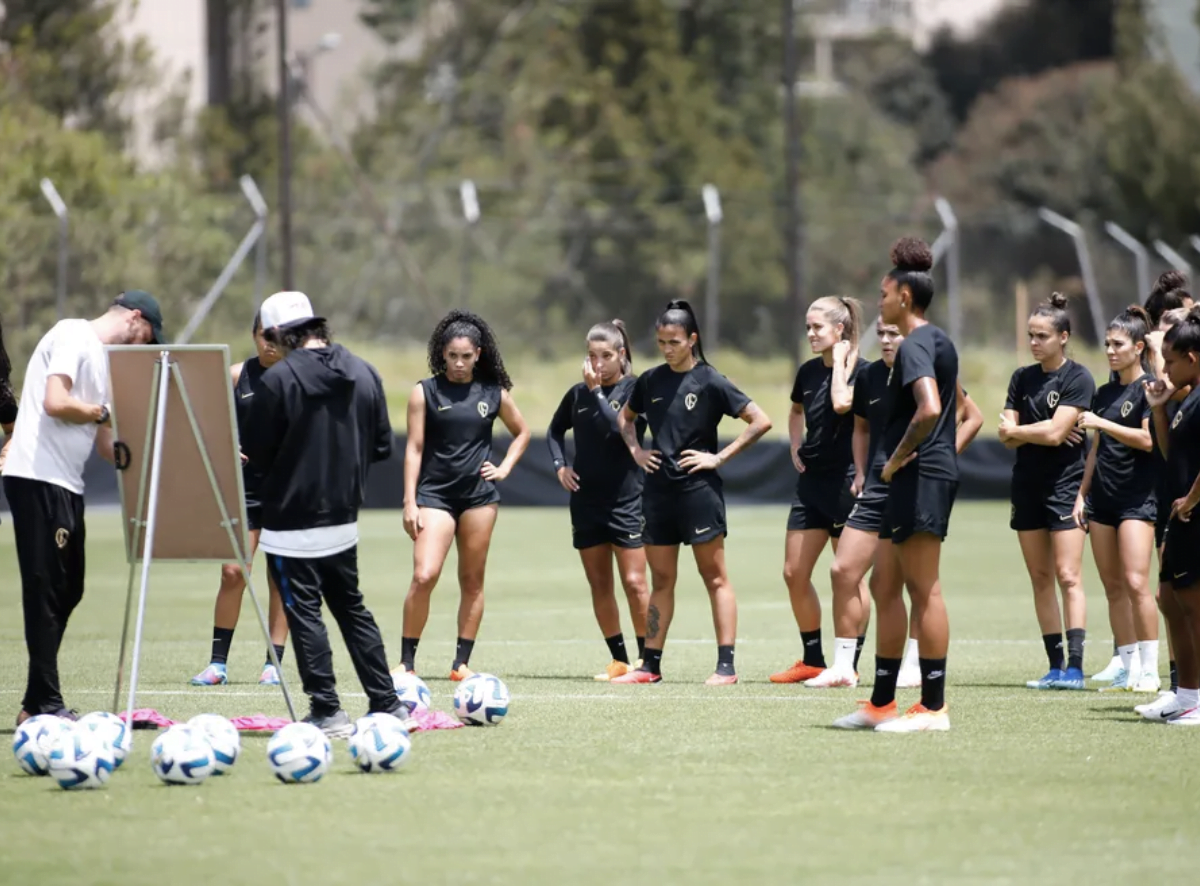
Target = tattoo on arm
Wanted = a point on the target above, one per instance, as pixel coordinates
(652, 622)
(928, 410)
(628, 428)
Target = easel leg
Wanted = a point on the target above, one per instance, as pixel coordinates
(116, 705)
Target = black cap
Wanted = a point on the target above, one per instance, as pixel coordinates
(140, 300)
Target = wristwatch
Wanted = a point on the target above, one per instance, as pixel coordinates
(104, 415)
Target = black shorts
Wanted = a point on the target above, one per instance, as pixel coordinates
(820, 503)
(1161, 519)
(458, 506)
(868, 510)
(599, 523)
(1110, 513)
(687, 516)
(1180, 565)
(917, 504)
(1043, 504)
(253, 516)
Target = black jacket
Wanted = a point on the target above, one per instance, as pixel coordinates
(319, 422)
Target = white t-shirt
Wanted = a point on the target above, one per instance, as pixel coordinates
(309, 544)
(45, 448)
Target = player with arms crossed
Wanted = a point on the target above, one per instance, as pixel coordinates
(922, 476)
(247, 379)
(684, 400)
(606, 488)
(450, 492)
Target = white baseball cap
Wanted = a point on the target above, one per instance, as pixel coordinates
(284, 309)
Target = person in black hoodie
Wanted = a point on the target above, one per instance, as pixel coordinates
(321, 420)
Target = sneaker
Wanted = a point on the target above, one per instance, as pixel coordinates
(461, 673)
(213, 675)
(1120, 682)
(1110, 670)
(797, 673)
(269, 676)
(909, 678)
(831, 677)
(1146, 681)
(62, 713)
(614, 669)
(1162, 709)
(1165, 697)
(867, 716)
(638, 676)
(721, 680)
(336, 725)
(1047, 682)
(1186, 718)
(919, 718)
(1072, 678)
(401, 668)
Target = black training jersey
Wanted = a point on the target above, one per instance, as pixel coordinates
(683, 410)
(1122, 474)
(1163, 486)
(249, 384)
(827, 435)
(458, 437)
(607, 472)
(1183, 449)
(1036, 395)
(871, 403)
(926, 353)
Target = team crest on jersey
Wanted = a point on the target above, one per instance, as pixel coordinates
(690, 402)
(483, 409)
(1126, 408)
(61, 537)
(1052, 399)
(1177, 419)
(615, 404)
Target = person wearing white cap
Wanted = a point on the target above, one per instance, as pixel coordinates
(321, 420)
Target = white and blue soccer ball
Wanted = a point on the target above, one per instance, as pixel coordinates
(299, 753)
(481, 700)
(222, 737)
(33, 739)
(80, 759)
(182, 755)
(412, 691)
(110, 729)
(380, 743)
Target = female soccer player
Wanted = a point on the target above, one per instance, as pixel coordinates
(450, 493)
(1179, 440)
(1117, 500)
(8, 400)
(246, 378)
(922, 476)
(684, 400)
(1044, 403)
(606, 488)
(821, 428)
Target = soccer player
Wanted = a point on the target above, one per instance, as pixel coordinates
(922, 476)
(247, 379)
(1117, 501)
(684, 400)
(64, 414)
(1179, 440)
(319, 421)
(820, 430)
(1045, 400)
(8, 400)
(450, 493)
(606, 488)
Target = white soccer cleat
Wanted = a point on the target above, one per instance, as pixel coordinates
(1146, 681)
(1110, 670)
(1162, 709)
(1187, 718)
(909, 678)
(919, 718)
(833, 677)
(867, 716)
(1120, 683)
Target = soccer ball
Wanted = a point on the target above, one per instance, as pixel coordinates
(481, 700)
(380, 743)
(80, 759)
(32, 741)
(182, 755)
(412, 691)
(299, 753)
(222, 736)
(110, 729)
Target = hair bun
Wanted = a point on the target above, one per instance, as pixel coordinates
(1168, 280)
(912, 254)
(619, 323)
(1058, 300)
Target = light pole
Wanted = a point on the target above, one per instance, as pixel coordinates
(793, 227)
(285, 143)
(712, 304)
(470, 209)
(60, 209)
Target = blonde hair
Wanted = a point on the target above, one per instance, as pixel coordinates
(843, 310)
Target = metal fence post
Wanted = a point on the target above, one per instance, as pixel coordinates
(470, 209)
(1075, 232)
(60, 210)
(1177, 261)
(259, 205)
(1140, 254)
(712, 294)
(948, 244)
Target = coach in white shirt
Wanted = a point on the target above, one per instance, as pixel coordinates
(63, 414)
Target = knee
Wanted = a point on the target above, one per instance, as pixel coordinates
(634, 582)
(471, 583)
(1137, 584)
(714, 579)
(662, 579)
(231, 578)
(424, 579)
(1068, 577)
(841, 576)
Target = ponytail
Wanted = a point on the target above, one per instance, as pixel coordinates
(679, 313)
(1135, 323)
(846, 311)
(1184, 337)
(614, 334)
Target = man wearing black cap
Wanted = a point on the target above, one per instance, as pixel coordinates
(64, 413)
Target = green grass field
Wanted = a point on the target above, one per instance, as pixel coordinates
(585, 783)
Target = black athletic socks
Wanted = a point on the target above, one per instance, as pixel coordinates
(652, 661)
(641, 647)
(616, 648)
(462, 653)
(1075, 637)
(887, 670)
(858, 650)
(1174, 677)
(1054, 650)
(222, 638)
(814, 657)
(725, 661)
(279, 648)
(933, 683)
(408, 652)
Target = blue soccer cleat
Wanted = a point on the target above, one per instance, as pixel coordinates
(213, 675)
(1072, 678)
(1049, 681)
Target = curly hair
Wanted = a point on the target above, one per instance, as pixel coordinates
(464, 324)
(912, 260)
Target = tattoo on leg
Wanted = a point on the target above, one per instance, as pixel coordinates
(652, 622)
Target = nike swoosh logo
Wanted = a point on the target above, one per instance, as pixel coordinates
(1067, 517)
(897, 528)
(585, 409)
(705, 529)
(656, 399)
(244, 396)
(444, 408)
(838, 525)
(1180, 574)
(806, 393)
(632, 536)
(873, 402)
